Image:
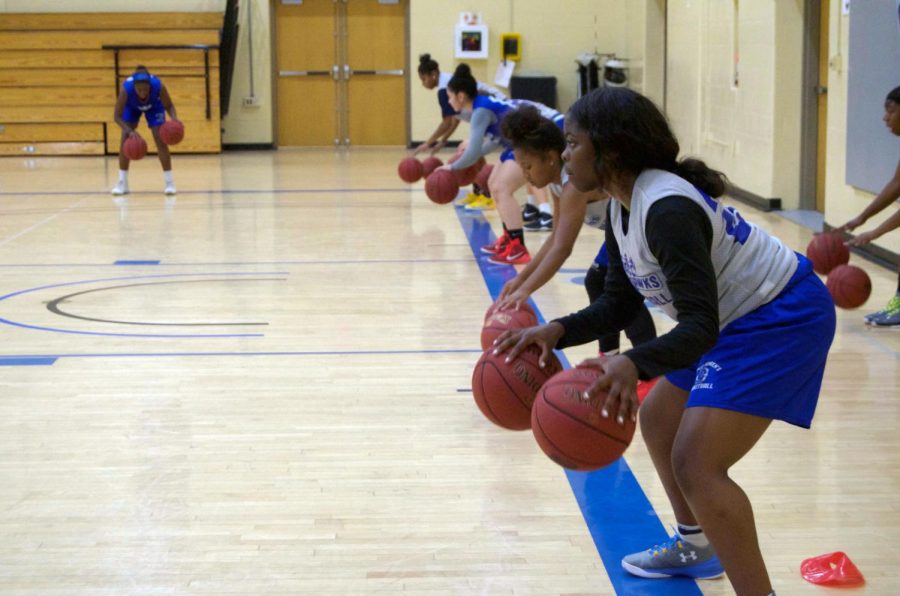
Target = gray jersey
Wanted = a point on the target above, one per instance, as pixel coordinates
(751, 266)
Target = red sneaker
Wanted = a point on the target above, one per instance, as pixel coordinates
(497, 247)
(515, 253)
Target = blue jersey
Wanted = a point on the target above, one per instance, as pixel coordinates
(153, 102)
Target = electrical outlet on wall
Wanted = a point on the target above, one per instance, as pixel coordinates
(251, 102)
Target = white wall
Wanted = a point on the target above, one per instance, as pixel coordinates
(750, 131)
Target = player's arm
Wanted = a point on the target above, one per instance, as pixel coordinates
(167, 101)
(478, 125)
(568, 217)
(889, 194)
(679, 234)
(119, 111)
(439, 137)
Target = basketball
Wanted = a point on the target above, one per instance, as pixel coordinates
(570, 430)
(134, 148)
(500, 321)
(505, 392)
(467, 176)
(493, 308)
(441, 186)
(410, 169)
(849, 286)
(827, 251)
(171, 132)
(482, 178)
(430, 164)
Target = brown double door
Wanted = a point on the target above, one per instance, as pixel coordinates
(341, 72)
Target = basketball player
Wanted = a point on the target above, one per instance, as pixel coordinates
(889, 316)
(484, 115)
(538, 145)
(143, 93)
(754, 327)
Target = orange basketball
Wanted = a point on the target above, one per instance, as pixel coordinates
(441, 186)
(571, 430)
(430, 164)
(134, 148)
(827, 251)
(502, 320)
(493, 308)
(171, 132)
(467, 176)
(849, 286)
(505, 391)
(410, 169)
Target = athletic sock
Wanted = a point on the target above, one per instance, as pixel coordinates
(546, 208)
(123, 175)
(694, 535)
(517, 235)
(167, 175)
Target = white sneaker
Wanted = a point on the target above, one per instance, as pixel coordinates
(170, 189)
(120, 189)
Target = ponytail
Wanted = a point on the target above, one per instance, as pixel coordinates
(427, 64)
(710, 181)
(463, 81)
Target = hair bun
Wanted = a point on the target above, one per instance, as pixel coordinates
(424, 58)
(463, 70)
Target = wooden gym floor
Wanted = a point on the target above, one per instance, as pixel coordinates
(262, 386)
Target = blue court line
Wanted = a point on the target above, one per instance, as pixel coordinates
(15, 358)
(125, 262)
(248, 191)
(130, 277)
(618, 514)
(27, 361)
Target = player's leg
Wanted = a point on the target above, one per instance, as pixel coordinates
(155, 120)
(506, 178)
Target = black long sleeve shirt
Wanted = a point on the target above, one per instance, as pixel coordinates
(679, 235)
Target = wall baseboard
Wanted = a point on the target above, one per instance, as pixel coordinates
(414, 144)
(745, 196)
(248, 146)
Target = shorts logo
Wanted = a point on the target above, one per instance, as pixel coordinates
(703, 372)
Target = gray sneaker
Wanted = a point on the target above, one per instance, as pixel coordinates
(674, 557)
(887, 317)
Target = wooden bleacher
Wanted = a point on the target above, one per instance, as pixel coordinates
(58, 85)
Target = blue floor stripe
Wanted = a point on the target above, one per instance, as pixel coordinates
(17, 358)
(124, 262)
(618, 514)
(28, 361)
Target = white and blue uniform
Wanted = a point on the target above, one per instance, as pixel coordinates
(446, 108)
(484, 121)
(776, 319)
(152, 109)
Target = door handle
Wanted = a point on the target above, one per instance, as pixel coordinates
(347, 72)
(393, 73)
(303, 73)
(336, 72)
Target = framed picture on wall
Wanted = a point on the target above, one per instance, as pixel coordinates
(471, 41)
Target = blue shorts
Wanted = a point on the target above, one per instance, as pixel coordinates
(155, 116)
(770, 362)
(602, 258)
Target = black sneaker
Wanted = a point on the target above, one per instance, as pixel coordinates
(543, 222)
(530, 212)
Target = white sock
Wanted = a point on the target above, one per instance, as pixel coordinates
(693, 535)
(168, 177)
(546, 208)
(123, 176)
(530, 199)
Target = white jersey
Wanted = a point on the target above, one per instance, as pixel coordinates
(751, 266)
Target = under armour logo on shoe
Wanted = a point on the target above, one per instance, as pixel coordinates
(691, 555)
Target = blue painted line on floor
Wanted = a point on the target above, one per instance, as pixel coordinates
(618, 514)
(27, 361)
(126, 262)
